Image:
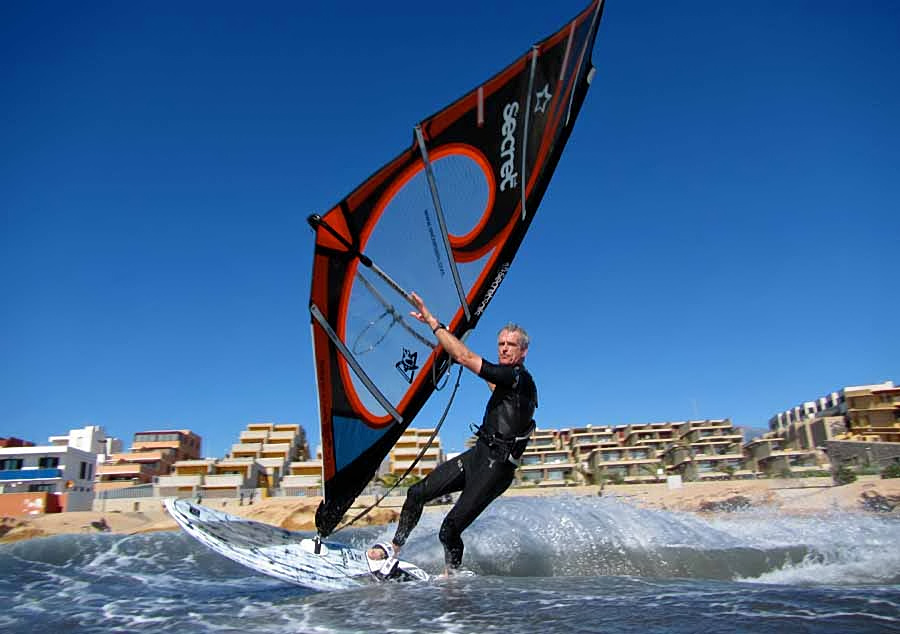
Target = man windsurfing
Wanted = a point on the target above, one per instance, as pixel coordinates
(486, 470)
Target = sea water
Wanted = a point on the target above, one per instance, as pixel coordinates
(553, 564)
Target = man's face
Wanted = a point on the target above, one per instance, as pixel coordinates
(509, 350)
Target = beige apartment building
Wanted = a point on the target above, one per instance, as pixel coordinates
(623, 463)
(873, 412)
(186, 478)
(634, 453)
(774, 456)
(272, 456)
(303, 478)
(272, 447)
(211, 478)
(152, 454)
(260, 459)
(408, 446)
(584, 440)
(868, 413)
(548, 459)
(813, 432)
(856, 425)
(657, 436)
(706, 449)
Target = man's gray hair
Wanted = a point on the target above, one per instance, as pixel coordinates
(523, 336)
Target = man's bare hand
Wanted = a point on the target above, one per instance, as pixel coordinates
(423, 314)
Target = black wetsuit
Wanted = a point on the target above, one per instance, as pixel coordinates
(483, 472)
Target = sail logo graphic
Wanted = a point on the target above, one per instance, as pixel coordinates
(407, 365)
(492, 289)
(508, 146)
(434, 244)
(543, 98)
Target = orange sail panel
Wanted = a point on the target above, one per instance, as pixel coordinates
(445, 219)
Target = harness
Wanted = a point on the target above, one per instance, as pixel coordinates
(505, 449)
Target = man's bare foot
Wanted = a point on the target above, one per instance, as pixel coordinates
(381, 551)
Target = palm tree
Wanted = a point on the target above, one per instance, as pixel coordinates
(387, 480)
(685, 444)
(651, 469)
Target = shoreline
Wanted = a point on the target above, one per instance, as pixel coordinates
(801, 496)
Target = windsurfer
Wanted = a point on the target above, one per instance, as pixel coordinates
(485, 471)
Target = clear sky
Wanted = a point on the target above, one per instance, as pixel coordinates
(721, 238)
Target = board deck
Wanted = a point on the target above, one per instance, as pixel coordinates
(285, 554)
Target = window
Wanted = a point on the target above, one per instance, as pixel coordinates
(48, 462)
(36, 488)
(11, 464)
(156, 437)
(83, 471)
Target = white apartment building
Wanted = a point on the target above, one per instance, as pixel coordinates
(90, 438)
(46, 479)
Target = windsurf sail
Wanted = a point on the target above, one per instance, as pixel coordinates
(445, 219)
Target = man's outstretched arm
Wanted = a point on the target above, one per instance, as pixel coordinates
(457, 350)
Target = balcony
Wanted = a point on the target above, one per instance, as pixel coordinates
(225, 480)
(107, 469)
(302, 467)
(30, 474)
(179, 481)
(298, 481)
(145, 457)
(271, 449)
(253, 436)
(246, 447)
(591, 439)
(412, 452)
(312, 473)
(557, 476)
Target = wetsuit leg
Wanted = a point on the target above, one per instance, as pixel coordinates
(446, 478)
(484, 483)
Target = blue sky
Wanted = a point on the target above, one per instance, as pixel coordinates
(720, 239)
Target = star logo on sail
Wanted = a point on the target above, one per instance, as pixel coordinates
(543, 98)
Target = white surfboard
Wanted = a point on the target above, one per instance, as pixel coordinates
(284, 554)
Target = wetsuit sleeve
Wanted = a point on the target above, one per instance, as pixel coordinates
(505, 375)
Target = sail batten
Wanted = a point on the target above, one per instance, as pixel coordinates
(444, 218)
(350, 359)
(595, 20)
(442, 223)
(524, 178)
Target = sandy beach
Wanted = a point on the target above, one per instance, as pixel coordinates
(869, 494)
